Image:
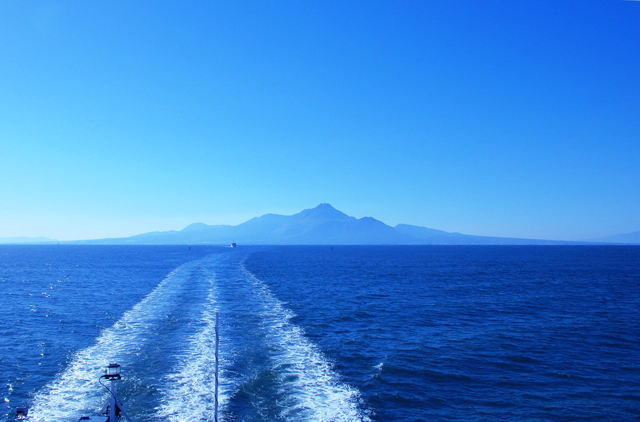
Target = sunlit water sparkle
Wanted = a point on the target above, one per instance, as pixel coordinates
(321, 334)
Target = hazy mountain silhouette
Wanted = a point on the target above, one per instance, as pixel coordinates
(322, 225)
(620, 238)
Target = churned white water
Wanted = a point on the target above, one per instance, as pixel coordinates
(75, 391)
(269, 369)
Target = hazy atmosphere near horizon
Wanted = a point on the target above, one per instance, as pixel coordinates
(514, 119)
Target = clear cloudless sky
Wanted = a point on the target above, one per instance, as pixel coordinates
(498, 118)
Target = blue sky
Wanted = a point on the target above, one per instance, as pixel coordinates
(492, 118)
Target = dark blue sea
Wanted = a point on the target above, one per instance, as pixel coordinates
(349, 333)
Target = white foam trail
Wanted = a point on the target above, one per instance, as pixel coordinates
(75, 391)
(190, 393)
(313, 390)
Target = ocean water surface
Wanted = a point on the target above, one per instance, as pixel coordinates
(343, 333)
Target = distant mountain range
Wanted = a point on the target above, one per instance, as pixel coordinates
(620, 238)
(322, 225)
